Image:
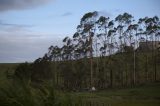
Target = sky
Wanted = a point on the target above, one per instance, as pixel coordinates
(29, 27)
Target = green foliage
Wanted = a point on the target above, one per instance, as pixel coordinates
(41, 70)
(89, 15)
(23, 71)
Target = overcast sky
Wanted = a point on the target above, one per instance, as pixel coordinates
(29, 27)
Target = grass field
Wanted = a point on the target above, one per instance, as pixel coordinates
(144, 95)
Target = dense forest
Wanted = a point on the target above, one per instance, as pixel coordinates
(103, 53)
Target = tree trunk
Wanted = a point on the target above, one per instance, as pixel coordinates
(91, 60)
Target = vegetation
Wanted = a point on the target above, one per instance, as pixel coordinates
(104, 54)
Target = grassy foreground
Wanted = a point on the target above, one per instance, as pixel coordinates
(20, 94)
(146, 95)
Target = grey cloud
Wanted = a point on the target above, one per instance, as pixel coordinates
(14, 25)
(11, 27)
(6, 5)
(17, 44)
(21, 48)
(66, 14)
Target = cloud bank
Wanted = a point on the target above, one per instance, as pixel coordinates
(4, 24)
(27, 47)
(6, 5)
(18, 43)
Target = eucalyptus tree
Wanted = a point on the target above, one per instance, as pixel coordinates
(101, 37)
(53, 56)
(153, 27)
(81, 45)
(133, 33)
(67, 48)
(123, 20)
(110, 36)
(156, 30)
(87, 24)
(150, 30)
(144, 38)
(54, 53)
(156, 27)
(143, 26)
(102, 24)
(111, 44)
(78, 42)
(50, 53)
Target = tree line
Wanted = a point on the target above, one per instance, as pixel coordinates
(103, 52)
